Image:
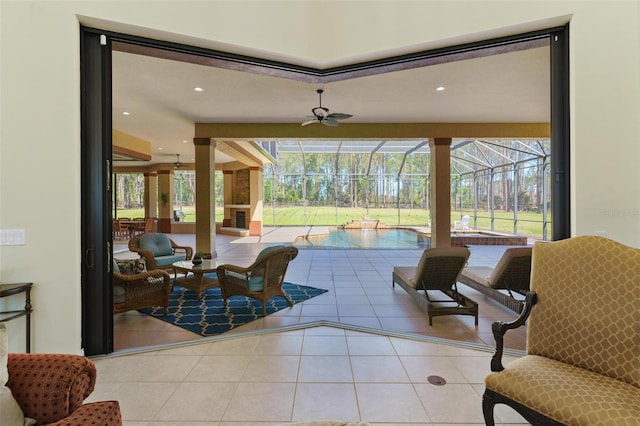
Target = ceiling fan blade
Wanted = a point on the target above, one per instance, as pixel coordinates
(315, 120)
(339, 115)
(330, 121)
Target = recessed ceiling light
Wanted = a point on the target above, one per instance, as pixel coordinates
(198, 89)
(160, 148)
(184, 141)
(125, 113)
(440, 88)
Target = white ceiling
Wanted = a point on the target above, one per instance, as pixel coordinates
(163, 106)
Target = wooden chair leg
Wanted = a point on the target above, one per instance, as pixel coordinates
(487, 409)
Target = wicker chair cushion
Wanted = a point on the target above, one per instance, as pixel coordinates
(255, 283)
(130, 266)
(597, 306)
(162, 261)
(156, 243)
(119, 293)
(567, 394)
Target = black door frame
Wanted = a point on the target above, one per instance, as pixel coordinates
(95, 51)
(96, 135)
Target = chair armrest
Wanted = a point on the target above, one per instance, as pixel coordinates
(48, 387)
(233, 268)
(149, 259)
(188, 250)
(142, 276)
(499, 329)
(103, 413)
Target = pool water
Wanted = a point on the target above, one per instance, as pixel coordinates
(362, 239)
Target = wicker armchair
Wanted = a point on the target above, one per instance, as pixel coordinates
(51, 388)
(262, 280)
(158, 250)
(142, 290)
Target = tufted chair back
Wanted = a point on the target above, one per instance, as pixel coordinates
(588, 312)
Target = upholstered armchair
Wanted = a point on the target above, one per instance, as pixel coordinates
(51, 388)
(262, 280)
(158, 250)
(582, 365)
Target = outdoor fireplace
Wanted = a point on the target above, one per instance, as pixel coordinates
(241, 219)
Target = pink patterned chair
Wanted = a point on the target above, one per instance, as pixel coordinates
(51, 388)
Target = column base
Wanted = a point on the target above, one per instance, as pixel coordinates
(255, 228)
(164, 225)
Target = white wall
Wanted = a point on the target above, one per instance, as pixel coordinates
(40, 106)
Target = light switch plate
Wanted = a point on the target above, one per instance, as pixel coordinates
(13, 237)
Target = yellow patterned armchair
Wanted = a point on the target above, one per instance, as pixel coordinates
(582, 365)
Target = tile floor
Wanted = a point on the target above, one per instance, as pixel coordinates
(362, 351)
(311, 373)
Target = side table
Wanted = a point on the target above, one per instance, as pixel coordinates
(197, 282)
(11, 289)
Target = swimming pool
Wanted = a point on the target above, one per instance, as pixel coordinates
(362, 239)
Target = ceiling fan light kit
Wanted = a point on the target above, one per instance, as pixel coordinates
(323, 116)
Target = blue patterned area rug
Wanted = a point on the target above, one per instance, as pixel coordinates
(209, 317)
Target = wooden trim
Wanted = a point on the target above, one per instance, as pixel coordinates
(442, 141)
(204, 142)
(215, 58)
(129, 153)
(374, 131)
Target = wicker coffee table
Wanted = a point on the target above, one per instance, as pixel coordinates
(195, 279)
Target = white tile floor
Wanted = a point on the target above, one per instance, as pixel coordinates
(303, 374)
(362, 351)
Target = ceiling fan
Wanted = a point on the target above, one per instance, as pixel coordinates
(322, 114)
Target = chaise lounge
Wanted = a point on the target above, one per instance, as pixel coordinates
(438, 269)
(510, 276)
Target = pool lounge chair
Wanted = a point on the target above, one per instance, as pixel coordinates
(511, 276)
(438, 269)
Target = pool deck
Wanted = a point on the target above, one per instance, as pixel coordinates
(360, 293)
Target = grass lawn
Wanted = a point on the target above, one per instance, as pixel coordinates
(529, 223)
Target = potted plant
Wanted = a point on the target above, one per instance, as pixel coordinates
(197, 257)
